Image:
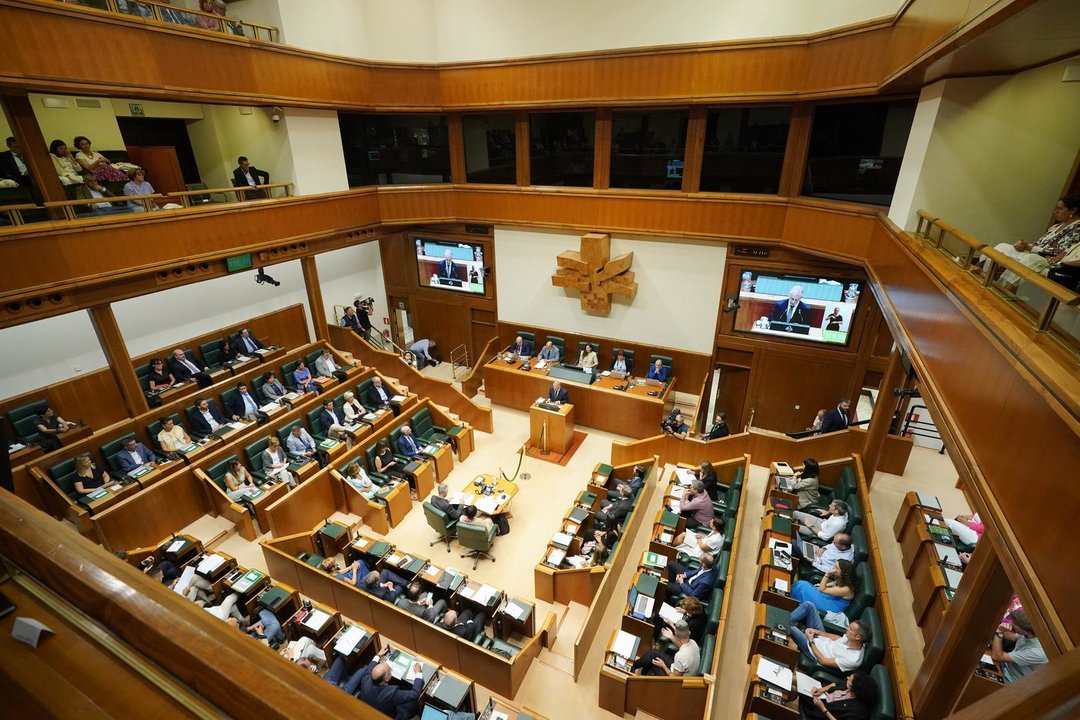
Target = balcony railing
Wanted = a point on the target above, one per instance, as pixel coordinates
(163, 12)
(1046, 306)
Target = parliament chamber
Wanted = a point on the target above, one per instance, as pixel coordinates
(679, 361)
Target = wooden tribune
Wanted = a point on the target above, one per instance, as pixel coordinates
(551, 430)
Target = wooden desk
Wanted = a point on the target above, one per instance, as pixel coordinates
(178, 390)
(271, 493)
(466, 596)
(768, 640)
(506, 625)
(305, 471)
(910, 509)
(768, 574)
(75, 434)
(301, 624)
(423, 474)
(466, 441)
(270, 353)
(24, 455)
(552, 429)
(928, 598)
(500, 487)
(114, 493)
(444, 462)
(398, 499)
(616, 411)
(786, 708)
(238, 367)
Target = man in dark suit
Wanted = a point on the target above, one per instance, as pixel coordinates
(206, 418)
(134, 456)
(13, 165)
(407, 445)
(557, 394)
(385, 585)
(793, 310)
(698, 583)
(452, 511)
(448, 268)
(520, 347)
(465, 625)
(374, 685)
(719, 428)
(248, 175)
(247, 343)
(616, 511)
(184, 368)
(243, 405)
(377, 396)
(332, 424)
(837, 418)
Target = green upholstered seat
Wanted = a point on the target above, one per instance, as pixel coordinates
(253, 455)
(310, 359)
(369, 455)
(287, 375)
(581, 348)
(628, 354)
(111, 448)
(855, 511)
(190, 412)
(226, 398)
(361, 393)
(142, 373)
(723, 566)
(208, 347)
(394, 435)
(712, 611)
(865, 595)
(885, 709)
(425, 428)
(708, 649)
(216, 472)
(441, 523)
(154, 428)
(312, 559)
(22, 419)
(526, 336)
(63, 474)
(317, 430)
(478, 539)
(557, 342)
(256, 386)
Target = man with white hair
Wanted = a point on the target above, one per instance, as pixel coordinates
(793, 310)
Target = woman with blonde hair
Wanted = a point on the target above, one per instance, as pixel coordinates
(87, 477)
(276, 463)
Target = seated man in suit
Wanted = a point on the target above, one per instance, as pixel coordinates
(440, 501)
(658, 371)
(637, 481)
(719, 428)
(248, 175)
(614, 512)
(385, 585)
(557, 394)
(621, 363)
(374, 684)
(207, 418)
(302, 448)
(326, 367)
(837, 418)
(13, 164)
(448, 269)
(407, 445)
(520, 347)
(698, 584)
(465, 624)
(549, 352)
(332, 424)
(377, 395)
(184, 369)
(248, 343)
(793, 310)
(419, 603)
(244, 406)
(134, 456)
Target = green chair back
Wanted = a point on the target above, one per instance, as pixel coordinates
(226, 398)
(475, 537)
(527, 337)
(310, 359)
(209, 347)
(142, 372)
(581, 348)
(111, 448)
(287, 375)
(723, 566)
(253, 454)
(665, 360)
(216, 472)
(284, 432)
(708, 649)
(885, 709)
(361, 393)
(557, 342)
(22, 419)
(859, 545)
(63, 474)
(866, 593)
(317, 430)
(214, 358)
(256, 385)
(855, 511)
(875, 649)
(437, 520)
(712, 611)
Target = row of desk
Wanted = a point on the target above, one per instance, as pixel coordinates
(632, 411)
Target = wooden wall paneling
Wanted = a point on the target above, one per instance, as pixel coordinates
(394, 252)
(112, 344)
(24, 127)
(152, 513)
(881, 421)
(314, 294)
(798, 143)
(602, 149)
(695, 149)
(93, 397)
(790, 388)
(522, 147)
(457, 149)
(286, 327)
(445, 322)
(732, 395)
(303, 508)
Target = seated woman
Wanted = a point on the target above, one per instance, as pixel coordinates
(471, 515)
(238, 481)
(587, 358)
(1060, 237)
(87, 476)
(805, 483)
(67, 168)
(387, 464)
(204, 22)
(967, 528)
(137, 185)
(853, 701)
(272, 389)
(353, 409)
(97, 163)
(690, 544)
(692, 612)
(160, 378)
(359, 479)
(172, 437)
(275, 463)
(834, 591)
(706, 473)
(354, 574)
(302, 376)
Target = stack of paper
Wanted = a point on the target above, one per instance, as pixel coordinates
(806, 684)
(555, 557)
(625, 645)
(270, 407)
(432, 571)
(930, 501)
(685, 476)
(515, 610)
(487, 505)
(561, 539)
(316, 619)
(348, 640)
(184, 582)
(210, 563)
(484, 594)
(237, 425)
(467, 592)
(175, 546)
(774, 673)
(397, 399)
(669, 613)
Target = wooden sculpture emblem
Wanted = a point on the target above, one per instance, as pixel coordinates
(595, 274)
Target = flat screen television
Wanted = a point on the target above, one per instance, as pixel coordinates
(450, 265)
(797, 307)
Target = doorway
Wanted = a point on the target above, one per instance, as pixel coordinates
(732, 382)
(163, 148)
(401, 331)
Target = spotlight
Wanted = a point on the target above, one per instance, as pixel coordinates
(261, 277)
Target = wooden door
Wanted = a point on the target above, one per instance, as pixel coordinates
(162, 167)
(731, 395)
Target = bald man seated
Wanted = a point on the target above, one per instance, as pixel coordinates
(374, 685)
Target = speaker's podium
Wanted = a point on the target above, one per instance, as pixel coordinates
(551, 427)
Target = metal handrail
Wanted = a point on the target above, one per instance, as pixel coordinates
(459, 357)
(173, 15)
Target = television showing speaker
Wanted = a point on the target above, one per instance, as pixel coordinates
(798, 307)
(450, 265)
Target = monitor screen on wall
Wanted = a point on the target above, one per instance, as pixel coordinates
(450, 265)
(797, 307)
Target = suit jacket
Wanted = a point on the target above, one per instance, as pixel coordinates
(562, 396)
(237, 343)
(428, 612)
(198, 422)
(9, 170)
(448, 272)
(371, 396)
(525, 348)
(261, 177)
(235, 406)
(718, 431)
(407, 445)
(660, 375)
(700, 586)
(322, 368)
(452, 511)
(127, 463)
(834, 420)
(619, 510)
(390, 699)
(800, 317)
(298, 446)
(468, 626)
(552, 355)
(381, 592)
(181, 372)
(327, 419)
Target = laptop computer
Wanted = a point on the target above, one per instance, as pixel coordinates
(640, 605)
(618, 375)
(808, 549)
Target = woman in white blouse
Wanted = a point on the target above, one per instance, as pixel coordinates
(587, 358)
(353, 409)
(97, 163)
(67, 169)
(275, 463)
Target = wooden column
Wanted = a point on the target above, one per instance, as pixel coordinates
(602, 149)
(972, 617)
(314, 298)
(115, 349)
(457, 148)
(35, 147)
(798, 142)
(522, 148)
(695, 149)
(882, 417)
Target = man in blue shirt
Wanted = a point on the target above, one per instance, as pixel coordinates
(423, 351)
(406, 443)
(134, 456)
(549, 352)
(658, 371)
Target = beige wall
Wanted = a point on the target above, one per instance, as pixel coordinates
(98, 124)
(991, 155)
(350, 273)
(678, 295)
(318, 160)
(226, 133)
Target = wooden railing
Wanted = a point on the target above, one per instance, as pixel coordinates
(119, 204)
(1045, 306)
(163, 12)
(470, 383)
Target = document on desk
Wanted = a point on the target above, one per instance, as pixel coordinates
(316, 619)
(184, 582)
(774, 673)
(270, 407)
(175, 546)
(929, 501)
(487, 505)
(237, 425)
(806, 684)
(432, 571)
(393, 558)
(515, 609)
(397, 399)
(467, 592)
(484, 594)
(541, 364)
(953, 578)
(685, 476)
(948, 555)
(625, 645)
(210, 563)
(561, 539)
(555, 557)
(347, 642)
